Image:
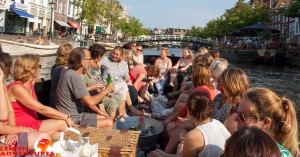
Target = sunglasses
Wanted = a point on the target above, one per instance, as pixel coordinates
(242, 117)
(139, 50)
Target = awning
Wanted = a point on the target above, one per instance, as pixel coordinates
(22, 14)
(62, 23)
(100, 29)
(292, 40)
(74, 24)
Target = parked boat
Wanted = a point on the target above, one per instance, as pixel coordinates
(250, 56)
(16, 48)
(291, 60)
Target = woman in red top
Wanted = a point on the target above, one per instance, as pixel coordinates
(138, 76)
(25, 103)
(10, 134)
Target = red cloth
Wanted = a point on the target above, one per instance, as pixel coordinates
(182, 112)
(135, 72)
(24, 116)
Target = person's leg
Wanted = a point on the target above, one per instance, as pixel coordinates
(180, 102)
(104, 123)
(133, 96)
(133, 110)
(172, 78)
(33, 136)
(52, 126)
(111, 106)
(143, 91)
(183, 85)
(164, 82)
(175, 85)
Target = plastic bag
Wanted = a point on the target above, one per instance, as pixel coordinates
(158, 103)
(81, 148)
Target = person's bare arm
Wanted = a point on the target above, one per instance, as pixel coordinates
(193, 144)
(19, 93)
(92, 101)
(136, 61)
(139, 80)
(10, 130)
(186, 67)
(11, 114)
(3, 100)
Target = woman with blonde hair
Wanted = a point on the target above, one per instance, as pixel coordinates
(180, 68)
(12, 136)
(232, 83)
(276, 116)
(61, 61)
(164, 63)
(25, 103)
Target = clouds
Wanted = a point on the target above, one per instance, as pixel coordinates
(176, 13)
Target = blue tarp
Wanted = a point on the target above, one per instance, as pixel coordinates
(22, 14)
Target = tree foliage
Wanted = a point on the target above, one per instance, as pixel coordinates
(101, 11)
(132, 27)
(241, 15)
(291, 10)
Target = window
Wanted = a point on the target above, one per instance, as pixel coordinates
(64, 8)
(22, 1)
(74, 13)
(69, 8)
(60, 8)
(296, 27)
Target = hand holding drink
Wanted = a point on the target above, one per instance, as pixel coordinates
(110, 88)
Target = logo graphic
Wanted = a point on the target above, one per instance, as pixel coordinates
(43, 146)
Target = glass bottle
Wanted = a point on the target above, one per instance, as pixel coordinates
(108, 79)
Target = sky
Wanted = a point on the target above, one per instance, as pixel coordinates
(176, 13)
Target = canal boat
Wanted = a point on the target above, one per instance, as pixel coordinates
(291, 60)
(251, 56)
(15, 48)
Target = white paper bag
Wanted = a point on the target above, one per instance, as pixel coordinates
(71, 148)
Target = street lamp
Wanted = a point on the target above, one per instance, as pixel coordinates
(51, 5)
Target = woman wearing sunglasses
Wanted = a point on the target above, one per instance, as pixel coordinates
(276, 116)
(138, 56)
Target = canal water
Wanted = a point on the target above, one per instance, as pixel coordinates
(284, 80)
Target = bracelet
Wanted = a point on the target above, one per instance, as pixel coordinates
(67, 121)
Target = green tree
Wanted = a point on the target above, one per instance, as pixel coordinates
(241, 15)
(132, 27)
(90, 10)
(105, 12)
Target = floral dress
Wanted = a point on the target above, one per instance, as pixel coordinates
(222, 113)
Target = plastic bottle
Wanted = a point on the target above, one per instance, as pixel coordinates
(109, 80)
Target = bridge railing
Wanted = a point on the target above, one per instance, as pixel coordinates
(156, 38)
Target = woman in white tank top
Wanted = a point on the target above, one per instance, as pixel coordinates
(209, 136)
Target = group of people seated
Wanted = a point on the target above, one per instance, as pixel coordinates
(213, 110)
